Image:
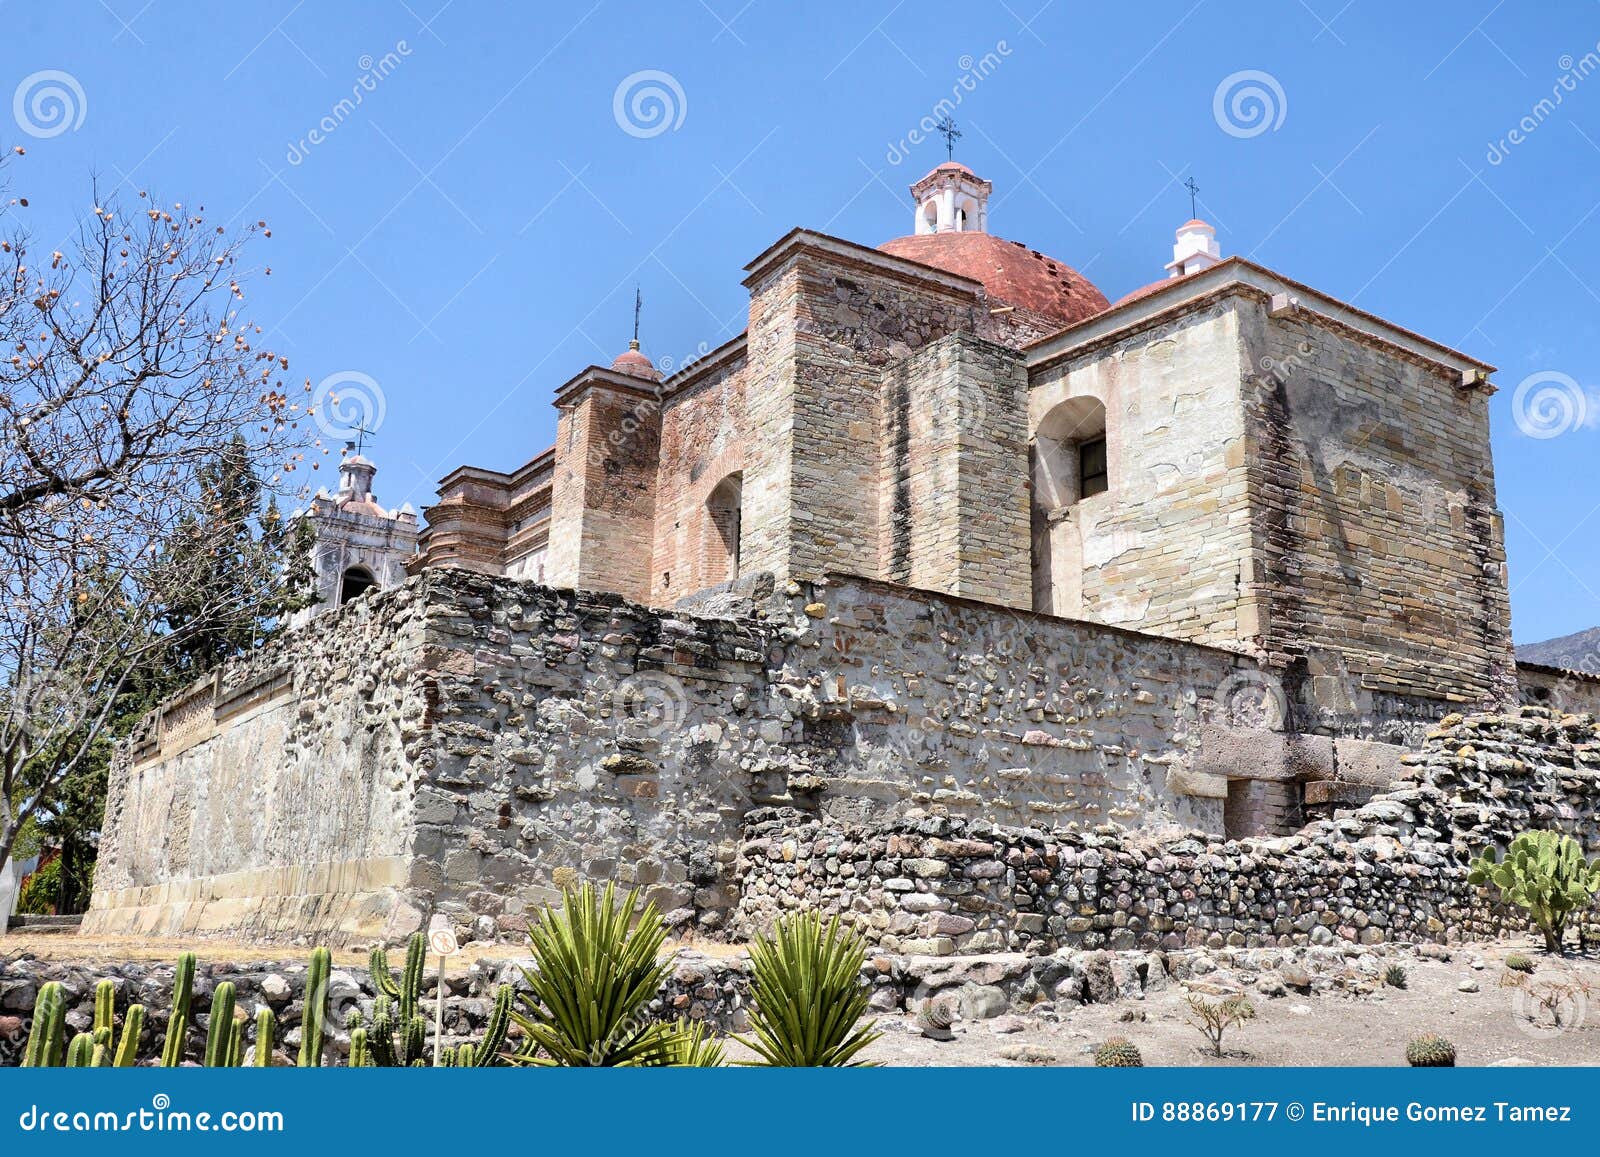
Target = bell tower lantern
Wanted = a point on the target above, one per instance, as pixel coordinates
(952, 199)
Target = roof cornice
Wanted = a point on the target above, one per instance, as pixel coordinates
(1237, 273)
(600, 378)
(799, 242)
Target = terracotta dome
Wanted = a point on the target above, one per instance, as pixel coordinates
(635, 364)
(1012, 273)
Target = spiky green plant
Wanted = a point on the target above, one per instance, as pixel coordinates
(595, 973)
(311, 1042)
(1118, 1053)
(1431, 1051)
(266, 1036)
(692, 1044)
(360, 1051)
(127, 1054)
(807, 994)
(105, 1005)
(100, 1058)
(1395, 976)
(1519, 962)
(47, 1044)
(178, 1023)
(80, 1053)
(219, 1031)
(1545, 874)
(486, 1053)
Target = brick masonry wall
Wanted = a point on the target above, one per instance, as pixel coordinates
(1393, 869)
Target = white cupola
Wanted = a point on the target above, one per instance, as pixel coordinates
(952, 199)
(1195, 249)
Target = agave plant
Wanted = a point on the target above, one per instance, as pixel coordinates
(690, 1044)
(596, 971)
(807, 994)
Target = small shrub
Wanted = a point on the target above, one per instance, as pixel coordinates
(1214, 1018)
(1118, 1053)
(807, 994)
(1395, 976)
(1546, 874)
(1431, 1051)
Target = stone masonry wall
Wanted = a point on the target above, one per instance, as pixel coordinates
(1372, 491)
(469, 744)
(1393, 869)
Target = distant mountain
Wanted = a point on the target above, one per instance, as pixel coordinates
(1579, 652)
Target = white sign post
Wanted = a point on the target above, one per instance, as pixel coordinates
(442, 939)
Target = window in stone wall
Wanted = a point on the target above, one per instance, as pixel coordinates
(723, 518)
(1070, 462)
(1092, 475)
(357, 581)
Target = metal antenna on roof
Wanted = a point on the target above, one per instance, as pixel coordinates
(1194, 191)
(638, 301)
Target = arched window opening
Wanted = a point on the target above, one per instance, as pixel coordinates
(723, 517)
(1070, 463)
(356, 581)
(930, 217)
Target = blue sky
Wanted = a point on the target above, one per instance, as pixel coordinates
(471, 233)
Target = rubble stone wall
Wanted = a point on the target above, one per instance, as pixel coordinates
(1394, 869)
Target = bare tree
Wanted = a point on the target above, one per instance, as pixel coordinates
(125, 367)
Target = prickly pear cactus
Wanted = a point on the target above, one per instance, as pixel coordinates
(1545, 874)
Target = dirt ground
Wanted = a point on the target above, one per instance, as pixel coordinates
(1487, 1027)
(1492, 1025)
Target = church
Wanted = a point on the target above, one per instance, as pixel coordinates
(1223, 455)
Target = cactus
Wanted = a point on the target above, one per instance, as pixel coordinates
(1118, 1053)
(311, 1043)
(487, 1051)
(127, 1054)
(360, 1052)
(1545, 873)
(415, 1045)
(219, 1033)
(1431, 1051)
(105, 1005)
(381, 1037)
(80, 1053)
(1519, 962)
(266, 1036)
(47, 1039)
(936, 1016)
(411, 982)
(100, 1058)
(178, 1025)
(1395, 976)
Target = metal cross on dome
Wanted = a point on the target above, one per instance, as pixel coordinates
(947, 129)
(1194, 191)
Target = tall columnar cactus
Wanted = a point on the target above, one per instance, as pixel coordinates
(101, 1057)
(219, 1033)
(487, 1051)
(80, 1053)
(178, 1025)
(411, 983)
(1545, 873)
(360, 1051)
(398, 1035)
(266, 1036)
(47, 1039)
(105, 1005)
(311, 1044)
(127, 1054)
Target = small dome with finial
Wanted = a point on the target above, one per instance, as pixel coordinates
(635, 364)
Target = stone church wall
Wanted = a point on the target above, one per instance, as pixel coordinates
(469, 744)
(1162, 549)
(1377, 538)
(1393, 869)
